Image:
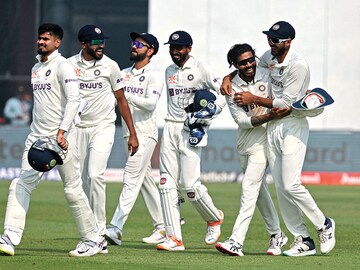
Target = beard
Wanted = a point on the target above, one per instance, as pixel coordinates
(137, 57)
(93, 54)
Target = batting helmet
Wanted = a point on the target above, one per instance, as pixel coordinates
(201, 99)
(45, 154)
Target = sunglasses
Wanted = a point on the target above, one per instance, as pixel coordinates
(97, 42)
(272, 40)
(139, 44)
(245, 61)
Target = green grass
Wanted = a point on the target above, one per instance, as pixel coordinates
(50, 233)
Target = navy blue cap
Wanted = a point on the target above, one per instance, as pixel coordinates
(90, 32)
(201, 99)
(180, 38)
(282, 30)
(314, 99)
(149, 39)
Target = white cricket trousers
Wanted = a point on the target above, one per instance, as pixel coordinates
(138, 178)
(95, 144)
(21, 188)
(287, 140)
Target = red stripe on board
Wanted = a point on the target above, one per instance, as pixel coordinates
(331, 178)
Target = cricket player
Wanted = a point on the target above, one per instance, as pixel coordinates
(251, 145)
(179, 161)
(287, 141)
(143, 87)
(101, 86)
(56, 101)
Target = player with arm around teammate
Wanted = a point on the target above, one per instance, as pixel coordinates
(144, 83)
(251, 145)
(287, 141)
(101, 86)
(180, 161)
(56, 101)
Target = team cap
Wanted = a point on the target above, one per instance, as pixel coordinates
(91, 32)
(282, 30)
(180, 38)
(316, 98)
(149, 38)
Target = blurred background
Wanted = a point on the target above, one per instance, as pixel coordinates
(326, 35)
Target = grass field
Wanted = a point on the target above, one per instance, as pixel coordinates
(50, 233)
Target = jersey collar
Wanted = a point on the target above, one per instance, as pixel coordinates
(53, 55)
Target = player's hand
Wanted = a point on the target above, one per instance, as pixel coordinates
(277, 113)
(60, 138)
(225, 88)
(244, 98)
(133, 145)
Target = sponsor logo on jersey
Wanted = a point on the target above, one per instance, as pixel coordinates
(48, 73)
(156, 92)
(180, 91)
(77, 71)
(172, 79)
(162, 181)
(190, 77)
(134, 90)
(191, 195)
(70, 80)
(35, 74)
(90, 85)
(97, 72)
(271, 66)
(41, 86)
(276, 83)
(127, 77)
(281, 71)
(142, 78)
(250, 107)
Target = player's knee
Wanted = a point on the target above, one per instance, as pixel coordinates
(167, 182)
(194, 193)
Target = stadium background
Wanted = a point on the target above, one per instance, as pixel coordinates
(325, 36)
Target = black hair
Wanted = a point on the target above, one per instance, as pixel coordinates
(54, 29)
(237, 50)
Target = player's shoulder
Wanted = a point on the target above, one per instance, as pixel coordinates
(108, 61)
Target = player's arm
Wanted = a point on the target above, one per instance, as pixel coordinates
(124, 110)
(246, 98)
(225, 87)
(275, 113)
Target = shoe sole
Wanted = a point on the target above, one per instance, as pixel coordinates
(305, 253)
(333, 245)
(153, 242)
(7, 252)
(181, 248)
(112, 241)
(225, 251)
(279, 252)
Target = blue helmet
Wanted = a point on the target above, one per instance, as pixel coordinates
(45, 154)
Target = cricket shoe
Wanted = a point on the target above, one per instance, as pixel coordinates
(214, 230)
(6, 246)
(277, 241)
(86, 248)
(158, 236)
(103, 245)
(301, 247)
(171, 244)
(327, 236)
(230, 247)
(113, 235)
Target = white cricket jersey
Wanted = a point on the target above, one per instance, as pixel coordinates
(142, 90)
(97, 81)
(293, 75)
(182, 83)
(249, 138)
(56, 95)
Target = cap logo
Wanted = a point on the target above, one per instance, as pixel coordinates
(276, 27)
(203, 102)
(97, 30)
(175, 36)
(52, 163)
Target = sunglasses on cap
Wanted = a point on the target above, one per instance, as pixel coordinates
(97, 42)
(272, 40)
(245, 61)
(139, 44)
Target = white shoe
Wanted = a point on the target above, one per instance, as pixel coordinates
(6, 246)
(113, 235)
(230, 247)
(277, 241)
(104, 249)
(327, 236)
(158, 236)
(301, 247)
(214, 230)
(171, 244)
(86, 249)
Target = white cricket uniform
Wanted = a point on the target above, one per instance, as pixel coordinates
(143, 90)
(251, 145)
(180, 162)
(96, 130)
(287, 140)
(56, 100)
